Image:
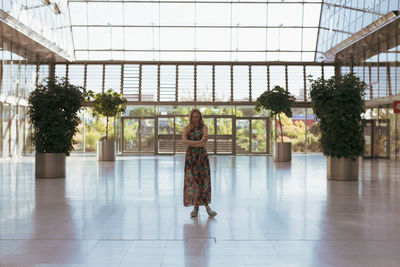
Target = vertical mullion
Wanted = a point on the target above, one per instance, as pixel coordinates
(103, 78)
(122, 78)
(250, 136)
(249, 83)
(378, 68)
(158, 82)
(286, 78)
(213, 83)
(37, 75)
(322, 71)
(195, 83)
(389, 83)
(140, 83)
(305, 83)
(306, 108)
(85, 78)
(66, 71)
(371, 95)
(268, 79)
(176, 82)
(231, 82)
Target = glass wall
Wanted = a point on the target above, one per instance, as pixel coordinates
(17, 79)
(47, 19)
(213, 31)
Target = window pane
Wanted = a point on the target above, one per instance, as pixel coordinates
(61, 70)
(296, 82)
(222, 83)
(249, 14)
(131, 82)
(277, 76)
(213, 14)
(76, 74)
(241, 83)
(177, 14)
(94, 78)
(99, 38)
(141, 14)
(186, 83)
(204, 83)
(258, 81)
(177, 38)
(285, 15)
(149, 83)
(113, 78)
(167, 82)
(140, 38)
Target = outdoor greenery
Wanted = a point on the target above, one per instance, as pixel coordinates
(339, 104)
(293, 131)
(53, 112)
(277, 101)
(107, 104)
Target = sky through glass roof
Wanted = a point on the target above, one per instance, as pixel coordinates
(195, 30)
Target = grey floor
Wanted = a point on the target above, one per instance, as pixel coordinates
(130, 213)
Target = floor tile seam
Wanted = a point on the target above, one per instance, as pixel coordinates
(125, 254)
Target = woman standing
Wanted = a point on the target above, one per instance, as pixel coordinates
(197, 188)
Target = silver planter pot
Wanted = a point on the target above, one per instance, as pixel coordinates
(106, 150)
(283, 152)
(50, 165)
(342, 169)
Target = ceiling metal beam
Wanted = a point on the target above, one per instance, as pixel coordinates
(368, 37)
(194, 26)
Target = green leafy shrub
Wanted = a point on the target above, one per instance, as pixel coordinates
(53, 111)
(277, 101)
(338, 104)
(108, 104)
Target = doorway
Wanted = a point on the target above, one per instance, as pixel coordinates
(377, 138)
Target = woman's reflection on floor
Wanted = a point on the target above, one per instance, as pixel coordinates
(198, 241)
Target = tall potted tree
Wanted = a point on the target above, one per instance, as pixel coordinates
(278, 101)
(53, 111)
(108, 104)
(338, 104)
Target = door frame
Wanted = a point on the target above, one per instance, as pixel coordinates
(267, 129)
(215, 135)
(374, 131)
(139, 118)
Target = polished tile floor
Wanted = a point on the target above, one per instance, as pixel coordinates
(129, 213)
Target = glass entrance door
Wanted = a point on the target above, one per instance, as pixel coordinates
(377, 138)
(251, 136)
(138, 134)
(165, 135)
(162, 134)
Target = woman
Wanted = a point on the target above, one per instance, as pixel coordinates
(197, 188)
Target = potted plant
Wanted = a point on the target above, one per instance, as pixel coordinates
(338, 104)
(278, 101)
(108, 104)
(53, 108)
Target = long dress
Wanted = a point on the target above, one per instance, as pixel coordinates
(197, 187)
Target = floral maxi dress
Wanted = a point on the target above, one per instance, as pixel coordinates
(197, 187)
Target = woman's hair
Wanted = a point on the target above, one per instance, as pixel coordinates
(191, 124)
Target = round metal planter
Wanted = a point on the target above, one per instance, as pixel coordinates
(106, 150)
(342, 169)
(50, 165)
(283, 152)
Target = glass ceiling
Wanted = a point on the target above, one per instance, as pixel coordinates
(195, 30)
